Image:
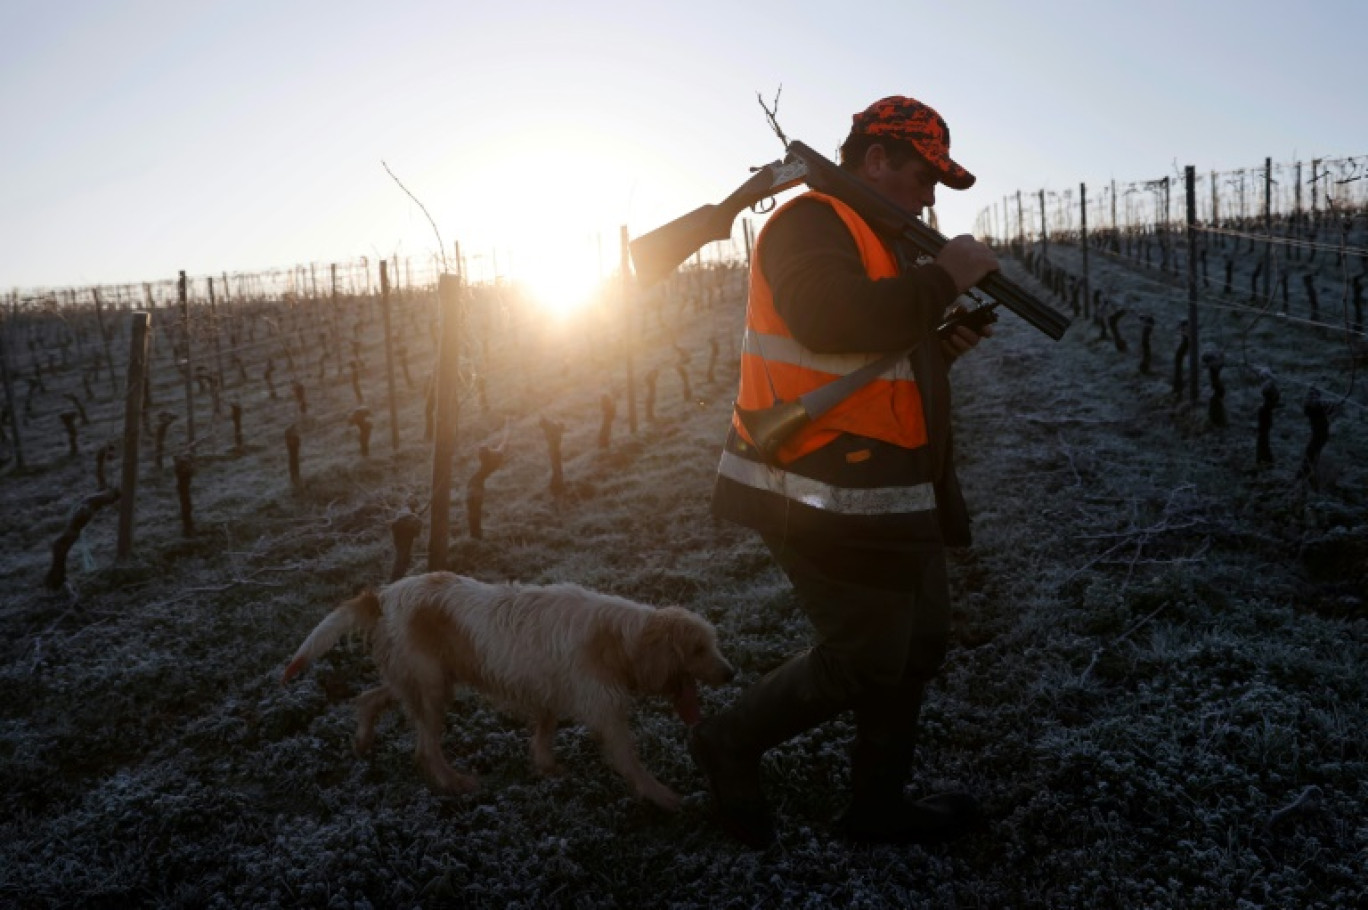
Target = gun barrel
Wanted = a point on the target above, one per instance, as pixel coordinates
(826, 177)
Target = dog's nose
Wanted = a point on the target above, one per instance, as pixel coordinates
(728, 672)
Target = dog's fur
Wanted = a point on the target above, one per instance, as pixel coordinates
(543, 652)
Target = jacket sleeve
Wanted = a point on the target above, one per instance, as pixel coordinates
(828, 301)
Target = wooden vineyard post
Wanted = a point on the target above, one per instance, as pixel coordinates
(1194, 357)
(9, 397)
(1297, 213)
(1021, 226)
(104, 339)
(1184, 341)
(446, 380)
(609, 409)
(218, 347)
(1044, 234)
(651, 378)
(133, 404)
(332, 305)
(189, 362)
(389, 354)
(1083, 244)
(1268, 227)
(292, 443)
(626, 268)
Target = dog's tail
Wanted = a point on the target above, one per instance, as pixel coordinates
(360, 614)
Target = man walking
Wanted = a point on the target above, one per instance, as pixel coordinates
(859, 505)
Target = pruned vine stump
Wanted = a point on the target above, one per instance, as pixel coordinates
(554, 430)
(361, 419)
(185, 472)
(404, 529)
(80, 517)
(491, 459)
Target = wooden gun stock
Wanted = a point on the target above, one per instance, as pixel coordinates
(660, 252)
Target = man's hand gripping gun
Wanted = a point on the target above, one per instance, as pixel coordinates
(660, 252)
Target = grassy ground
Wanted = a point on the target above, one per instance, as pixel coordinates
(1156, 686)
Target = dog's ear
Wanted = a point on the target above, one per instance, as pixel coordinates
(660, 648)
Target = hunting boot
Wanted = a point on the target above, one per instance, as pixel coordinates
(727, 747)
(881, 762)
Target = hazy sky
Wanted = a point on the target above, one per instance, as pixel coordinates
(141, 138)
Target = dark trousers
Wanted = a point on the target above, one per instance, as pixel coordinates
(881, 621)
(881, 614)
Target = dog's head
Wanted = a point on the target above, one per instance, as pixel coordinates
(676, 649)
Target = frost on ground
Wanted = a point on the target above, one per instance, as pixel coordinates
(1157, 684)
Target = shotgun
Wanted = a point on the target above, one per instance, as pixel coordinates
(660, 252)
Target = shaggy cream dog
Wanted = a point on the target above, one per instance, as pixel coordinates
(542, 652)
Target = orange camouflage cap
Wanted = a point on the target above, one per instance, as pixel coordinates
(917, 124)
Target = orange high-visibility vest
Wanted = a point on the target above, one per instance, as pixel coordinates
(776, 367)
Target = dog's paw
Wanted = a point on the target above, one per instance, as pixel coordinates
(455, 783)
(548, 768)
(664, 797)
(362, 743)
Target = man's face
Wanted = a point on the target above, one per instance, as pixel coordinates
(912, 186)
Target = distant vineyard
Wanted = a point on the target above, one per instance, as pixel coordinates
(314, 360)
(1247, 256)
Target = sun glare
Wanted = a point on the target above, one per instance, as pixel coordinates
(561, 280)
(544, 216)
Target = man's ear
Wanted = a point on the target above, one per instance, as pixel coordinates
(876, 160)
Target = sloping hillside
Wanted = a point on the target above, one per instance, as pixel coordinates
(1157, 681)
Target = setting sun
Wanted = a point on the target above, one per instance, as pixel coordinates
(560, 279)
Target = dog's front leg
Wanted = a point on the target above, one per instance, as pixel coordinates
(429, 716)
(616, 738)
(543, 732)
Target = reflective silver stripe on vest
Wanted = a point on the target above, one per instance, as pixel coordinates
(782, 349)
(818, 495)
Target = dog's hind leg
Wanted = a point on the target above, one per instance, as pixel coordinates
(616, 739)
(370, 705)
(543, 732)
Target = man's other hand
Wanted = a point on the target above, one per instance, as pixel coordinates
(966, 260)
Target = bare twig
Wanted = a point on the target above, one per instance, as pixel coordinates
(1069, 456)
(773, 115)
(1305, 801)
(1102, 649)
(441, 248)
